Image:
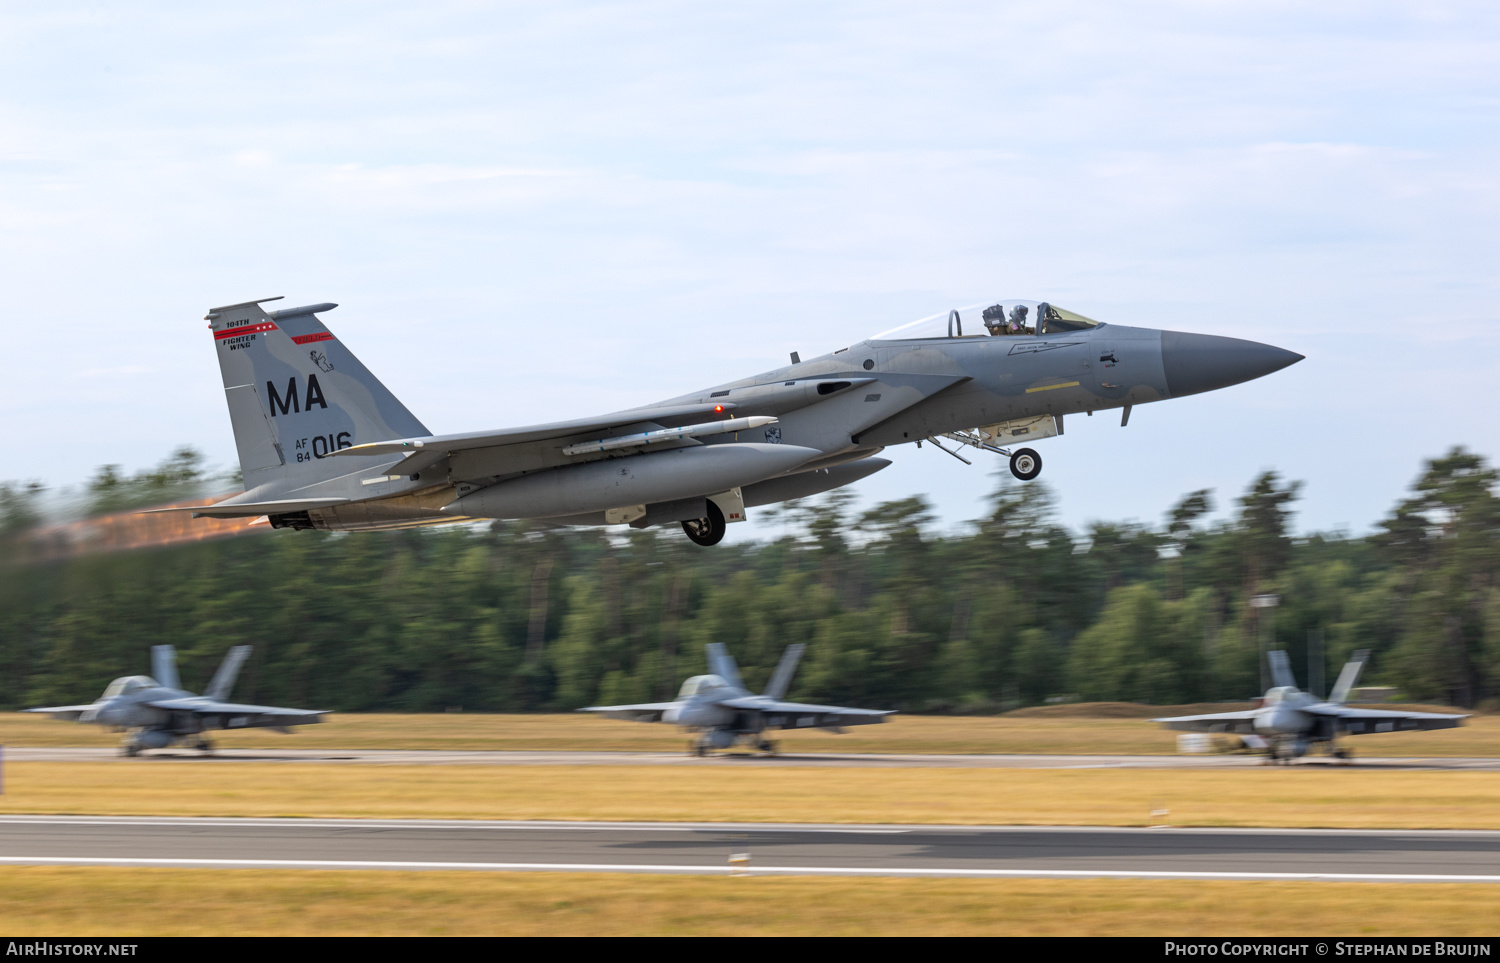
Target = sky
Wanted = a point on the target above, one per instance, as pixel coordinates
(536, 211)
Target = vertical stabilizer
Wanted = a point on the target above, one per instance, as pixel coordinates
(1281, 669)
(229, 670)
(164, 666)
(781, 679)
(296, 393)
(721, 664)
(1349, 677)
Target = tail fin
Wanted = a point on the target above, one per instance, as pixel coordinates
(229, 670)
(721, 664)
(164, 666)
(781, 679)
(296, 393)
(1349, 677)
(1281, 669)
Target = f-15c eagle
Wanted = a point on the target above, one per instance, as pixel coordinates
(156, 712)
(324, 445)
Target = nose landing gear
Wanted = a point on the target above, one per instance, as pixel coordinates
(1025, 464)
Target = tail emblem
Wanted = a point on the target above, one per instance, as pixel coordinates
(320, 359)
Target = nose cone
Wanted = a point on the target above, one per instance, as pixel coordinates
(1203, 362)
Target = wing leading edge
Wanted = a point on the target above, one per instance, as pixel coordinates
(645, 712)
(1358, 722)
(798, 715)
(1241, 722)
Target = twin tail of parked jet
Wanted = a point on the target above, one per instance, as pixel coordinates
(324, 445)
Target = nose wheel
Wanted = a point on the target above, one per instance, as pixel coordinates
(1025, 464)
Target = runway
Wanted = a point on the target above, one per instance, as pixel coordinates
(794, 849)
(404, 757)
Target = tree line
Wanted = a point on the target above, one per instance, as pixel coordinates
(1016, 610)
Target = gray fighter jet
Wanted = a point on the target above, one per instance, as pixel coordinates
(1291, 722)
(722, 711)
(156, 712)
(324, 445)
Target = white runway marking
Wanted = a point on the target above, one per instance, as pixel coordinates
(730, 870)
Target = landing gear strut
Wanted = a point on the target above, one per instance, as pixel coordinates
(706, 531)
(1025, 464)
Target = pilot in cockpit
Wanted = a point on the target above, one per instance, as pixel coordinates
(997, 324)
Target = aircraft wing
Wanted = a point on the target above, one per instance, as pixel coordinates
(234, 715)
(645, 712)
(1242, 722)
(668, 416)
(1358, 722)
(798, 715)
(66, 713)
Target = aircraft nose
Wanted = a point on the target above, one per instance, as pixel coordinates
(1203, 362)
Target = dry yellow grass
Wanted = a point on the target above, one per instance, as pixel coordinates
(1040, 733)
(46, 901)
(1257, 797)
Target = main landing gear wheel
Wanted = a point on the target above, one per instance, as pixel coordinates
(706, 531)
(1025, 464)
(766, 746)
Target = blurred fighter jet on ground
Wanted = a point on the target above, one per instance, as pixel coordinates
(1292, 722)
(155, 712)
(723, 711)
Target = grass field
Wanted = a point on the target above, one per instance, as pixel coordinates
(1110, 729)
(1348, 798)
(46, 901)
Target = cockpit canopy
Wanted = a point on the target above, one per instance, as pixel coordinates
(1281, 693)
(699, 684)
(129, 684)
(1006, 318)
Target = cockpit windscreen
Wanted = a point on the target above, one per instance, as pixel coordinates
(992, 319)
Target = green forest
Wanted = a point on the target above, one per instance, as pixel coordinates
(1015, 610)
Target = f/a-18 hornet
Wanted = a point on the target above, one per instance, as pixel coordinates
(723, 711)
(156, 712)
(1291, 722)
(324, 445)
